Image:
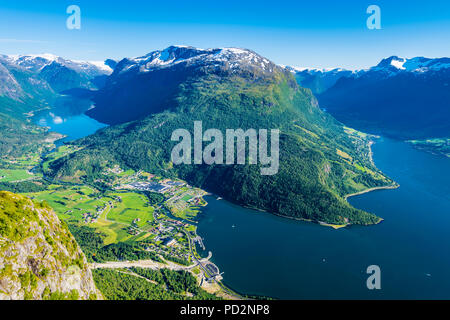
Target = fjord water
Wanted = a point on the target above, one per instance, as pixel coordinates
(266, 255)
(68, 118)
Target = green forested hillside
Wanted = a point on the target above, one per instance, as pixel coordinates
(147, 284)
(320, 161)
(19, 137)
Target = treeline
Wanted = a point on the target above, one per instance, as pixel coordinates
(24, 186)
(154, 198)
(181, 261)
(176, 281)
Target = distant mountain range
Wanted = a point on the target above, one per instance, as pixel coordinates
(402, 98)
(36, 77)
(318, 80)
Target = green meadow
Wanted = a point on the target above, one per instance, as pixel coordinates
(9, 175)
(133, 206)
(120, 209)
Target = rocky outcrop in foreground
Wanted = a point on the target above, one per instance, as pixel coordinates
(39, 257)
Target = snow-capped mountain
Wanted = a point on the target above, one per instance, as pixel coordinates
(47, 72)
(395, 65)
(36, 63)
(18, 83)
(318, 80)
(147, 83)
(222, 58)
(403, 98)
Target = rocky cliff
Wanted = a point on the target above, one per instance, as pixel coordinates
(39, 258)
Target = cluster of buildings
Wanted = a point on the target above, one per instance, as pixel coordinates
(115, 170)
(158, 187)
(133, 230)
(196, 201)
(90, 217)
(149, 186)
(169, 242)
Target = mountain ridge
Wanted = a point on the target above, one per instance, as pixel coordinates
(147, 84)
(401, 98)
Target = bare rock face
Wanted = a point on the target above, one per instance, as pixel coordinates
(9, 87)
(39, 257)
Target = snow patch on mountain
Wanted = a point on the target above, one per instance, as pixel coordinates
(398, 64)
(313, 70)
(394, 64)
(37, 62)
(233, 58)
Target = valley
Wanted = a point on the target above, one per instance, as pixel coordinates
(116, 213)
(229, 88)
(169, 231)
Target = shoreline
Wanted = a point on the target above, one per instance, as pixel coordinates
(321, 223)
(394, 186)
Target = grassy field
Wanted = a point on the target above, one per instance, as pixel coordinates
(120, 209)
(9, 175)
(133, 206)
(354, 132)
(23, 162)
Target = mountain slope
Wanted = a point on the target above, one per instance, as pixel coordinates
(30, 81)
(320, 160)
(402, 98)
(318, 80)
(148, 84)
(60, 73)
(21, 90)
(39, 258)
(18, 137)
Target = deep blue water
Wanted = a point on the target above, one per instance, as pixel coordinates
(272, 256)
(68, 118)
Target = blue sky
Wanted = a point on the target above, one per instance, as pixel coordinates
(300, 33)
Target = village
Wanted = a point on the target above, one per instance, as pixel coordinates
(139, 207)
(172, 228)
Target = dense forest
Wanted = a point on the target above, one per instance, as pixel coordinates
(161, 284)
(91, 242)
